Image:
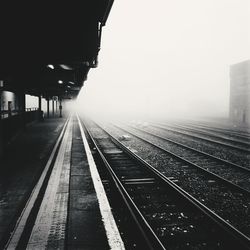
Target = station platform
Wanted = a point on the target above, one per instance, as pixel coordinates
(74, 212)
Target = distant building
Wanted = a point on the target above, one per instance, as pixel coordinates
(240, 92)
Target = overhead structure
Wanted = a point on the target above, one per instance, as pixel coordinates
(48, 48)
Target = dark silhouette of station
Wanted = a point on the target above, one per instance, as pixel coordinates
(46, 50)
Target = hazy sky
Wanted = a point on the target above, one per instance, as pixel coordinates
(169, 57)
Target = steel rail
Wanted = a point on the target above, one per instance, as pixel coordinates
(207, 133)
(226, 131)
(223, 224)
(197, 151)
(147, 232)
(233, 185)
(204, 139)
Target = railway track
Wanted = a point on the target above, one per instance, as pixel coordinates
(232, 172)
(228, 143)
(242, 142)
(166, 213)
(244, 135)
(232, 155)
(227, 200)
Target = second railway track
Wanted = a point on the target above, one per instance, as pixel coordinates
(230, 171)
(242, 142)
(216, 140)
(233, 155)
(232, 132)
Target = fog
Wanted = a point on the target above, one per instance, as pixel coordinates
(168, 58)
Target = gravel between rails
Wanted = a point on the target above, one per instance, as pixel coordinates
(234, 156)
(216, 133)
(231, 131)
(232, 206)
(234, 175)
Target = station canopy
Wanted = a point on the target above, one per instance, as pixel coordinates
(48, 48)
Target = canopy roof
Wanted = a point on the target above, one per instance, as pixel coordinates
(48, 48)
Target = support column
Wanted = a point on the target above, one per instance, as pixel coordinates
(0, 104)
(56, 105)
(39, 103)
(60, 107)
(22, 108)
(47, 108)
(9, 108)
(40, 112)
(1, 127)
(53, 107)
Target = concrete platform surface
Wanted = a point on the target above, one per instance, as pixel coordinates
(21, 166)
(74, 212)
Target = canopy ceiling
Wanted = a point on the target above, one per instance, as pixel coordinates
(48, 48)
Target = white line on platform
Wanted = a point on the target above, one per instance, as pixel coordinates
(112, 232)
(51, 219)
